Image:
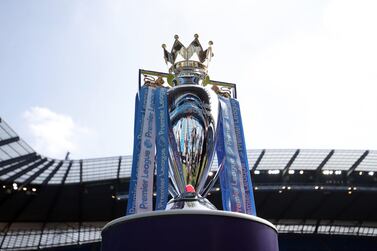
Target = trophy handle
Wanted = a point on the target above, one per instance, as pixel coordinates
(171, 189)
(214, 179)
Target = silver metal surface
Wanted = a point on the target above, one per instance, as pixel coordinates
(191, 201)
(193, 112)
(193, 115)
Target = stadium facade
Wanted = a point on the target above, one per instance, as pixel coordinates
(47, 203)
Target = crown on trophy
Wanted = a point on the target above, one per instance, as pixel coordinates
(191, 59)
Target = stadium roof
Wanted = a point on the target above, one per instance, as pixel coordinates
(19, 163)
(48, 202)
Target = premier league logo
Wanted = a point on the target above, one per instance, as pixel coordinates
(148, 143)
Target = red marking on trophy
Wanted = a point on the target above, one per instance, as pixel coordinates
(190, 189)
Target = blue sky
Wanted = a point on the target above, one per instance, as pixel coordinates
(306, 70)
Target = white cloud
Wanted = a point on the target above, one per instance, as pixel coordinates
(305, 70)
(53, 134)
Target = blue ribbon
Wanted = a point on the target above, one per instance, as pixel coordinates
(220, 151)
(235, 180)
(140, 106)
(249, 193)
(160, 110)
(162, 147)
(232, 165)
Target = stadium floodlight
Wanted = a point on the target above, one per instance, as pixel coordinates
(34, 189)
(338, 172)
(301, 172)
(291, 171)
(360, 173)
(327, 172)
(257, 172)
(316, 187)
(273, 172)
(210, 174)
(371, 173)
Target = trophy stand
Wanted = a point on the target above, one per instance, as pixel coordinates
(178, 129)
(190, 230)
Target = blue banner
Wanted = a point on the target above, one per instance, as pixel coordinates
(232, 163)
(249, 193)
(235, 181)
(162, 143)
(140, 103)
(150, 130)
(146, 161)
(220, 151)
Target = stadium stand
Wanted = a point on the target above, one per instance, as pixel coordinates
(318, 199)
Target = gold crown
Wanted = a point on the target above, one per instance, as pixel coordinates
(182, 58)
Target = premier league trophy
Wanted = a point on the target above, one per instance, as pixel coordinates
(182, 119)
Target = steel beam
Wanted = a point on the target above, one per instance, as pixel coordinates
(324, 161)
(119, 164)
(290, 162)
(37, 173)
(8, 141)
(48, 178)
(258, 160)
(357, 163)
(66, 172)
(19, 164)
(81, 163)
(81, 192)
(24, 171)
(16, 159)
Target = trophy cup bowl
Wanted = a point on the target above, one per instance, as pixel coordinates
(193, 113)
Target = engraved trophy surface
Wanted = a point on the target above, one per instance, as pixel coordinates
(193, 114)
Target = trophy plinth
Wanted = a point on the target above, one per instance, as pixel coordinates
(190, 230)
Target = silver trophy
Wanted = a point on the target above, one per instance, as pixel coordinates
(193, 114)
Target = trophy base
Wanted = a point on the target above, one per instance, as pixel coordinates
(190, 201)
(190, 230)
